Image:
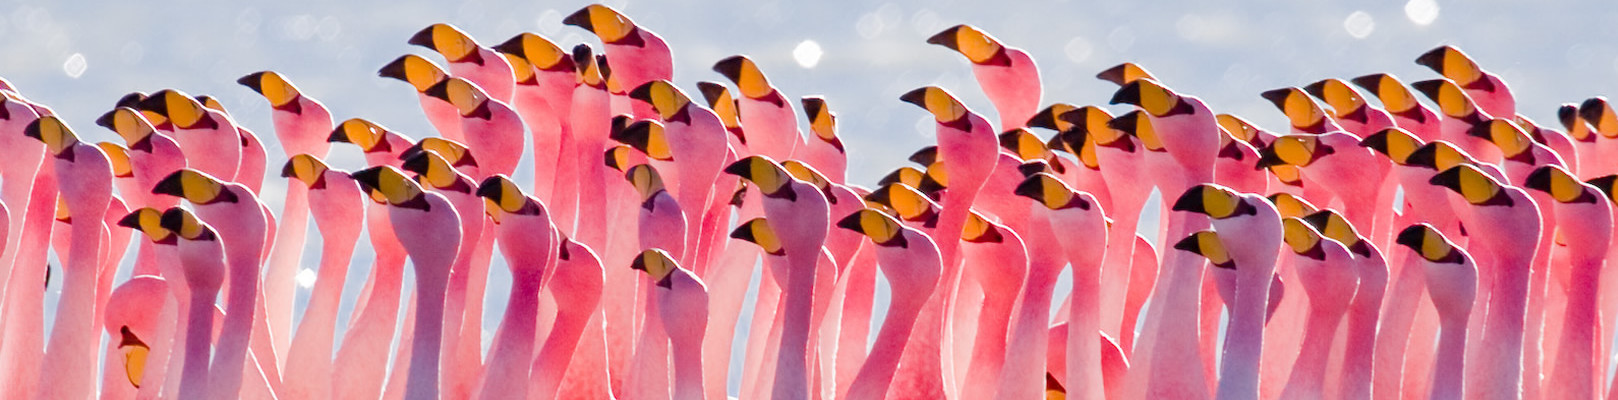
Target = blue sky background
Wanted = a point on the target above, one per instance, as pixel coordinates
(80, 56)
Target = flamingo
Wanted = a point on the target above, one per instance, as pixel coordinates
(908, 257)
(133, 312)
(827, 155)
(1191, 128)
(1001, 282)
(800, 212)
(301, 125)
(86, 187)
(1492, 93)
(1586, 221)
(637, 55)
(1069, 211)
(683, 307)
(696, 137)
(376, 312)
(1007, 74)
(468, 277)
(431, 241)
(207, 137)
(1597, 116)
(422, 74)
(1408, 113)
(1129, 190)
(544, 99)
(772, 124)
(202, 255)
(1500, 214)
(1253, 255)
(337, 205)
(1452, 288)
(576, 284)
(526, 233)
(1460, 114)
(469, 60)
(662, 224)
(241, 222)
(18, 184)
(1359, 334)
(1330, 288)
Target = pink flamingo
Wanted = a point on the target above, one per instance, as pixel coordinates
(828, 154)
(1452, 288)
(431, 241)
(1187, 132)
(337, 205)
(1122, 296)
(1460, 114)
(24, 348)
(372, 328)
(1331, 288)
(1254, 256)
(683, 307)
(202, 255)
(86, 188)
(422, 74)
(1492, 94)
(1077, 212)
(1398, 328)
(1586, 220)
(467, 279)
(133, 313)
(208, 137)
(637, 55)
(696, 137)
(1001, 282)
(1008, 75)
(800, 213)
(1499, 217)
(907, 256)
(544, 99)
(1348, 107)
(1401, 104)
(576, 344)
(1595, 118)
(662, 224)
(469, 60)
(241, 223)
(526, 234)
(168, 361)
(302, 125)
(1354, 374)
(772, 124)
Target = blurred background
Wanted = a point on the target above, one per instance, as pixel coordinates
(79, 57)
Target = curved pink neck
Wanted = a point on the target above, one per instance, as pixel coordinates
(877, 373)
(309, 362)
(1309, 373)
(511, 353)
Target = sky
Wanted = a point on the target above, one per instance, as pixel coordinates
(79, 57)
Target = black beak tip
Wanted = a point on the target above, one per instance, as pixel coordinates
(423, 38)
(945, 38)
(851, 222)
(1191, 200)
(580, 18)
(439, 90)
(490, 188)
(1317, 89)
(1127, 94)
(1368, 82)
(253, 81)
(917, 97)
(730, 67)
